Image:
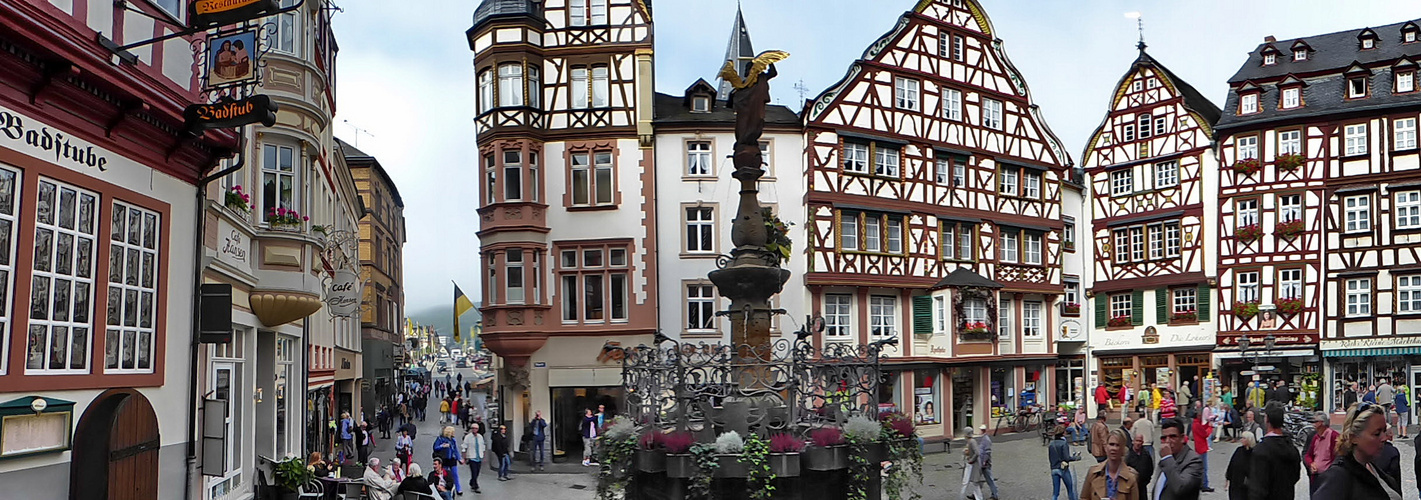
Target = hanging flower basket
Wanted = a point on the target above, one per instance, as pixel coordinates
(1249, 233)
(1288, 162)
(1119, 321)
(1290, 229)
(1245, 310)
(1289, 307)
(1247, 166)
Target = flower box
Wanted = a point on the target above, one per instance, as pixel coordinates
(976, 328)
(1184, 317)
(1249, 233)
(1247, 166)
(1245, 310)
(1290, 228)
(826, 458)
(784, 464)
(873, 453)
(651, 461)
(1120, 321)
(1289, 307)
(1289, 162)
(680, 465)
(1071, 308)
(730, 466)
(238, 201)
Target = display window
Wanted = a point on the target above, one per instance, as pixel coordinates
(925, 397)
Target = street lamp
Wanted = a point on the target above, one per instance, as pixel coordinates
(1268, 343)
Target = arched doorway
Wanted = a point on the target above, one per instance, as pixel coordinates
(116, 449)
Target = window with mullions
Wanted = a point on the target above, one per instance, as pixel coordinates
(587, 12)
(1166, 174)
(700, 230)
(1010, 178)
(485, 90)
(512, 175)
(1005, 309)
(1408, 210)
(1122, 182)
(1408, 293)
(992, 113)
(855, 157)
(592, 179)
(1247, 289)
(1009, 241)
(1359, 297)
(62, 284)
(9, 201)
(698, 158)
(133, 289)
(1155, 232)
(1121, 305)
(1185, 300)
(288, 30)
(952, 104)
(882, 316)
(578, 87)
(837, 315)
(905, 93)
(1246, 211)
(510, 85)
(279, 178)
(1032, 186)
(1290, 283)
(601, 87)
(1358, 210)
(700, 308)
(871, 232)
(1031, 251)
(885, 161)
(594, 289)
(1171, 239)
(956, 241)
(1031, 318)
(1122, 245)
(941, 171)
(1137, 244)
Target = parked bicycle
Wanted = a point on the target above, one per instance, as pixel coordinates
(1024, 418)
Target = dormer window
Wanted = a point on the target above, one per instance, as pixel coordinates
(1290, 98)
(700, 104)
(1300, 55)
(1405, 81)
(1368, 39)
(1270, 59)
(1368, 43)
(1408, 37)
(1247, 104)
(1357, 87)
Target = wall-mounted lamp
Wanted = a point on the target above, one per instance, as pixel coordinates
(257, 397)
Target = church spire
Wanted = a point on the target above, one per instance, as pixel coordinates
(737, 51)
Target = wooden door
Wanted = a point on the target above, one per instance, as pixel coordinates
(116, 449)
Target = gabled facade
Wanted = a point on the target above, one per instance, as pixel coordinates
(1319, 155)
(1151, 172)
(934, 216)
(567, 211)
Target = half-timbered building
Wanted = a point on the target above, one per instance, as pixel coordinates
(1319, 196)
(566, 211)
(1148, 165)
(934, 216)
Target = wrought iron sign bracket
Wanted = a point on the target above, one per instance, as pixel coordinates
(122, 51)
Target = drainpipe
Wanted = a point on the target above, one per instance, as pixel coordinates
(198, 267)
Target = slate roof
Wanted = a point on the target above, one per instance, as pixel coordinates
(963, 277)
(1193, 99)
(501, 8)
(672, 110)
(1322, 74)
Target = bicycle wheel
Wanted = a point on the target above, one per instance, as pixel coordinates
(1020, 424)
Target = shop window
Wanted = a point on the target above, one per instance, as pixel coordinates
(133, 290)
(9, 201)
(1003, 391)
(926, 387)
(279, 179)
(61, 290)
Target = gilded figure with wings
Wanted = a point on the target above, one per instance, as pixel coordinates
(751, 94)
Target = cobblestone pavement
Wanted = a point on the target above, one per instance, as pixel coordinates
(1022, 473)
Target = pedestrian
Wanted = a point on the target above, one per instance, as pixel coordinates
(473, 449)
(1200, 435)
(1371, 395)
(1227, 396)
(362, 440)
(500, 450)
(1102, 399)
(414, 481)
(444, 411)
(1274, 471)
(1183, 396)
(1321, 449)
(1112, 479)
(446, 449)
(1352, 476)
(1140, 459)
(404, 448)
(1181, 469)
(1061, 457)
(984, 452)
(1403, 411)
(971, 467)
(1256, 396)
(589, 431)
(442, 481)
(540, 438)
(347, 438)
(1098, 433)
(1236, 476)
(1386, 394)
(1167, 408)
(1146, 430)
(602, 417)
(1156, 397)
(1144, 400)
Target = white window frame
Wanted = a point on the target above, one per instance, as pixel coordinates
(906, 93)
(1031, 318)
(991, 113)
(275, 168)
(1248, 286)
(510, 85)
(49, 272)
(577, 13)
(872, 233)
(698, 159)
(1166, 174)
(288, 38)
(943, 44)
(952, 104)
(958, 53)
(1290, 142)
(1010, 181)
(1359, 297)
(221, 486)
(580, 87)
(512, 175)
(1404, 134)
(1145, 126)
(601, 87)
(939, 315)
(1155, 235)
(1122, 304)
(1408, 294)
(1122, 244)
(1033, 185)
(1291, 97)
(1010, 246)
(486, 90)
(1290, 207)
(1300, 54)
(1248, 103)
(1171, 239)
(885, 161)
(942, 171)
(855, 157)
(894, 235)
(1270, 59)
(514, 278)
(838, 316)
(1290, 283)
(1005, 308)
(1137, 244)
(1031, 253)
(1355, 136)
(947, 237)
(1358, 210)
(1408, 210)
(1246, 147)
(882, 316)
(1122, 182)
(700, 306)
(1357, 87)
(597, 13)
(959, 172)
(1184, 299)
(700, 229)
(974, 310)
(1246, 211)
(849, 231)
(134, 286)
(1405, 82)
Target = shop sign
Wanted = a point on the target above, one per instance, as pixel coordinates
(203, 14)
(233, 245)
(52, 145)
(229, 113)
(1372, 342)
(1280, 339)
(231, 59)
(1128, 339)
(343, 293)
(1151, 336)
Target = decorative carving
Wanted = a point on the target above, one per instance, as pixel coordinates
(516, 376)
(491, 319)
(537, 317)
(537, 213)
(488, 216)
(513, 213)
(515, 318)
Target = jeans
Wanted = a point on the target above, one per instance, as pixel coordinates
(474, 466)
(1205, 458)
(587, 443)
(991, 481)
(1059, 476)
(539, 448)
(446, 495)
(454, 477)
(503, 463)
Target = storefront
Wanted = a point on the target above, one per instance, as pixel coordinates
(1138, 357)
(1365, 362)
(1070, 380)
(347, 383)
(964, 401)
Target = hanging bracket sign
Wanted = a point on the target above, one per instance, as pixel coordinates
(343, 293)
(228, 112)
(204, 14)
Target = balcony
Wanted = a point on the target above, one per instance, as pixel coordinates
(283, 267)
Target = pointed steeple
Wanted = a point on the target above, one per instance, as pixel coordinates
(738, 51)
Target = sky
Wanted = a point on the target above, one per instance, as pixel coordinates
(405, 85)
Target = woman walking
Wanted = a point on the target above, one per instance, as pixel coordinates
(1236, 476)
(1403, 411)
(972, 477)
(1352, 476)
(1061, 458)
(1112, 479)
(1201, 431)
(446, 449)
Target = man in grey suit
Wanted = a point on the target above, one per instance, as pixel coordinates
(1181, 469)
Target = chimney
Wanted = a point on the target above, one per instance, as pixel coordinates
(1269, 39)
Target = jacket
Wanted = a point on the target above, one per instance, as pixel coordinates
(540, 429)
(446, 449)
(1320, 451)
(972, 458)
(1388, 460)
(443, 406)
(1144, 428)
(417, 484)
(1098, 434)
(1201, 431)
(1348, 480)
(1060, 454)
(1144, 466)
(1102, 395)
(1181, 476)
(436, 479)
(1127, 483)
(1400, 403)
(500, 444)
(1237, 473)
(588, 427)
(984, 448)
(1155, 399)
(1274, 469)
(377, 486)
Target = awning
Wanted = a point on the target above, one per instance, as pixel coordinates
(1367, 353)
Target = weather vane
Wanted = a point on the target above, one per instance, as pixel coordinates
(1140, 25)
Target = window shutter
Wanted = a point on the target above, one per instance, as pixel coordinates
(1162, 306)
(1202, 299)
(1102, 312)
(923, 315)
(1137, 307)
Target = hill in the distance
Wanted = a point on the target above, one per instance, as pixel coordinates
(441, 317)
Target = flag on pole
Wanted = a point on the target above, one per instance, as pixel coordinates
(462, 304)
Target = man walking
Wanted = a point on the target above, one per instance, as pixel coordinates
(540, 437)
(473, 449)
(1320, 451)
(1181, 470)
(588, 429)
(1139, 458)
(1102, 399)
(1144, 429)
(500, 450)
(984, 450)
(1099, 432)
(1274, 469)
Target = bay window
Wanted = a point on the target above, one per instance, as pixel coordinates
(279, 179)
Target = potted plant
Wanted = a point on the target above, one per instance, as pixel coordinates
(777, 232)
(862, 435)
(1247, 166)
(728, 448)
(1184, 316)
(900, 437)
(1289, 162)
(285, 219)
(1289, 306)
(679, 462)
(828, 452)
(785, 453)
(1245, 310)
(1249, 232)
(976, 328)
(651, 451)
(291, 474)
(238, 200)
(1119, 322)
(615, 449)
(1290, 228)
(1071, 308)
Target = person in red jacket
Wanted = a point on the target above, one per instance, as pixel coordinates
(1201, 430)
(1102, 400)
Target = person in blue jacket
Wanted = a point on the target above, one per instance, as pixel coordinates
(1061, 458)
(446, 449)
(1403, 413)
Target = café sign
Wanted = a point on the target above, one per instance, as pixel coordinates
(228, 113)
(343, 293)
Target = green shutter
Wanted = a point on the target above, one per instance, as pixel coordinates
(1102, 313)
(923, 315)
(1202, 299)
(1137, 308)
(1162, 306)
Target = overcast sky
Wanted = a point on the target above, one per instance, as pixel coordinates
(405, 88)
